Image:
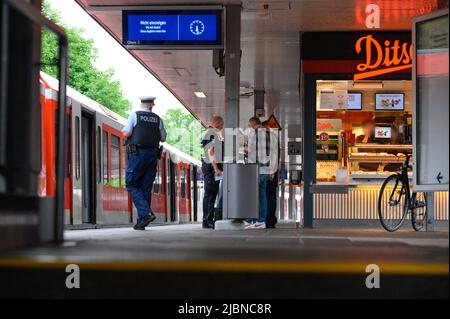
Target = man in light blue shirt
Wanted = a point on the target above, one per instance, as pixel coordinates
(144, 131)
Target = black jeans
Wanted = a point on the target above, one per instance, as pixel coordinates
(271, 218)
(211, 187)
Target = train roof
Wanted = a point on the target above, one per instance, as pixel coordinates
(53, 84)
(180, 155)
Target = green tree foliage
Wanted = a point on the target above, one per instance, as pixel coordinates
(83, 76)
(184, 131)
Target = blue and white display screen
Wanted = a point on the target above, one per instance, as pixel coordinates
(172, 28)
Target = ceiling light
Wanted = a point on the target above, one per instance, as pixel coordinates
(368, 85)
(182, 72)
(200, 95)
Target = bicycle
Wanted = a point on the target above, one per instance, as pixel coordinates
(396, 199)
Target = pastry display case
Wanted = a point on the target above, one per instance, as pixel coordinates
(372, 163)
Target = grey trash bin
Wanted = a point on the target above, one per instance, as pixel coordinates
(240, 191)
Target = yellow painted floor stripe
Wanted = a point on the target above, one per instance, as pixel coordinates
(325, 267)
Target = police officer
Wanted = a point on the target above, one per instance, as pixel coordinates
(144, 131)
(211, 168)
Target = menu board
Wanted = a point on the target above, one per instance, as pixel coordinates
(354, 101)
(334, 100)
(383, 132)
(389, 101)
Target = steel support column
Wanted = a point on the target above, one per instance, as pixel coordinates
(430, 212)
(232, 83)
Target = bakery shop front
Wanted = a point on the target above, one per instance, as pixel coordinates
(357, 93)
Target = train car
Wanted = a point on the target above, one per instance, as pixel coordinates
(96, 163)
(185, 183)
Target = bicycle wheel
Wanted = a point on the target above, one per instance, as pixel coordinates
(392, 205)
(419, 210)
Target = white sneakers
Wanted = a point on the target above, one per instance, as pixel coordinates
(257, 225)
(248, 225)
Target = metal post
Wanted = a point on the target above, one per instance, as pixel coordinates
(283, 172)
(309, 156)
(290, 202)
(61, 154)
(232, 80)
(4, 80)
(430, 212)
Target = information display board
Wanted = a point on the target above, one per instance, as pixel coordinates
(431, 102)
(383, 132)
(389, 101)
(354, 101)
(155, 29)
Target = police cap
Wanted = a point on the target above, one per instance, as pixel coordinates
(148, 99)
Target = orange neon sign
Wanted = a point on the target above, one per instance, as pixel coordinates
(383, 58)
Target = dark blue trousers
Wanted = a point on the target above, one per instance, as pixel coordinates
(271, 218)
(211, 187)
(140, 175)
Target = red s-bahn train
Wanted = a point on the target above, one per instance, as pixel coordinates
(96, 163)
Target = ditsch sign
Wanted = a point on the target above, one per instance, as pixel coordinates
(382, 58)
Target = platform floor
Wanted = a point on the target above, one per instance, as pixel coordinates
(187, 261)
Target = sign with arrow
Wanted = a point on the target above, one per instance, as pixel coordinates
(439, 177)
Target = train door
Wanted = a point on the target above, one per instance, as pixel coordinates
(184, 193)
(98, 188)
(194, 193)
(173, 186)
(87, 169)
(76, 160)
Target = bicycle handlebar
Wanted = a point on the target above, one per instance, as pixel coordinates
(408, 157)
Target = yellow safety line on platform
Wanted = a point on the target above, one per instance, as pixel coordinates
(329, 267)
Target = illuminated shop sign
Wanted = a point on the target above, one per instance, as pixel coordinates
(382, 57)
(362, 54)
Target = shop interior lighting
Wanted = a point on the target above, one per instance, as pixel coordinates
(368, 85)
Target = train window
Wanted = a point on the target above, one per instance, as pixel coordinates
(124, 165)
(99, 155)
(115, 161)
(157, 182)
(67, 150)
(77, 147)
(183, 182)
(68, 167)
(105, 158)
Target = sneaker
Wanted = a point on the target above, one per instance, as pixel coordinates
(248, 225)
(259, 225)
